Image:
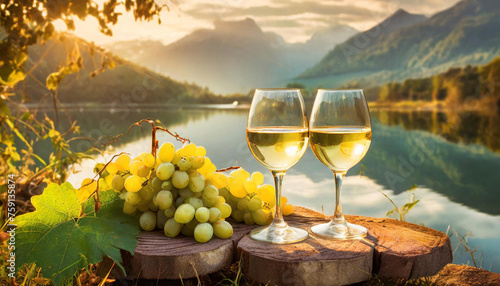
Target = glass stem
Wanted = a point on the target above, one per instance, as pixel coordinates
(338, 216)
(278, 216)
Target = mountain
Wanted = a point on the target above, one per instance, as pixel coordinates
(410, 46)
(119, 82)
(235, 56)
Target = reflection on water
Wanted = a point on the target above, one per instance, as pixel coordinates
(458, 183)
(457, 127)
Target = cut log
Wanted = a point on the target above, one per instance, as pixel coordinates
(392, 249)
(159, 257)
(453, 274)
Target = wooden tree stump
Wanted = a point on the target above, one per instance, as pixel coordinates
(391, 249)
(159, 257)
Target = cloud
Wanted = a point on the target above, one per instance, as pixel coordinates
(294, 20)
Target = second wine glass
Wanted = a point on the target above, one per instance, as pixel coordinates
(340, 134)
(277, 135)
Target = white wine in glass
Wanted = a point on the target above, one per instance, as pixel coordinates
(277, 135)
(340, 135)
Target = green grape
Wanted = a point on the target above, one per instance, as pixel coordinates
(146, 193)
(195, 202)
(172, 228)
(165, 171)
(175, 193)
(243, 204)
(196, 184)
(200, 151)
(203, 232)
(223, 229)
(210, 202)
(129, 209)
(189, 149)
(225, 210)
(164, 200)
(143, 206)
(247, 217)
(152, 206)
(122, 162)
(180, 179)
(258, 178)
(161, 219)
(185, 193)
(184, 213)
(237, 215)
(140, 156)
(211, 192)
(156, 184)
(198, 195)
(184, 164)
(170, 212)
(149, 160)
(215, 215)
(134, 167)
(166, 152)
(188, 228)
(133, 183)
(254, 204)
(179, 201)
(225, 193)
(112, 168)
(148, 221)
(239, 175)
(143, 171)
(167, 185)
(132, 198)
(195, 174)
(232, 204)
(260, 217)
(202, 214)
(176, 159)
(118, 183)
(197, 161)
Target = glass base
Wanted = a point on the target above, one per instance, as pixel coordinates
(279, 235)
(339, 230)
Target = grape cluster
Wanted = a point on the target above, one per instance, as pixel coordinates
(180, 191)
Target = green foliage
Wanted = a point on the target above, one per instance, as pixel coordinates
(26, 23)
(457, 86)
(403, 211)
(63, 236)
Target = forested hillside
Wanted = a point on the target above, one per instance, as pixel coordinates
(458, 86)
(102, 78)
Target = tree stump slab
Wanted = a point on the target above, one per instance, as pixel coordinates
(159, 257)
(392, 249)
(453, 274)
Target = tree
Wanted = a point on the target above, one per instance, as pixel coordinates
(28, 22)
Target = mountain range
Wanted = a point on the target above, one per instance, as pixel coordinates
(102, 79)
(235, 56)
(467, 33)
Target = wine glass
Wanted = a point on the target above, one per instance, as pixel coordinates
(340, 134)
(277, 135)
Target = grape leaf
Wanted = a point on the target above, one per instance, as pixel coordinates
(62, 235)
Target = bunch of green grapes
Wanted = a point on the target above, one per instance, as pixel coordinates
(180, 192)
(252, 202)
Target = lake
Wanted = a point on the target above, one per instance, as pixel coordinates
(453, 158)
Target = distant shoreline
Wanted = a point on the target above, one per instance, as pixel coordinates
(374, 106)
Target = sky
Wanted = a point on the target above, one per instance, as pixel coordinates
(294, 20)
